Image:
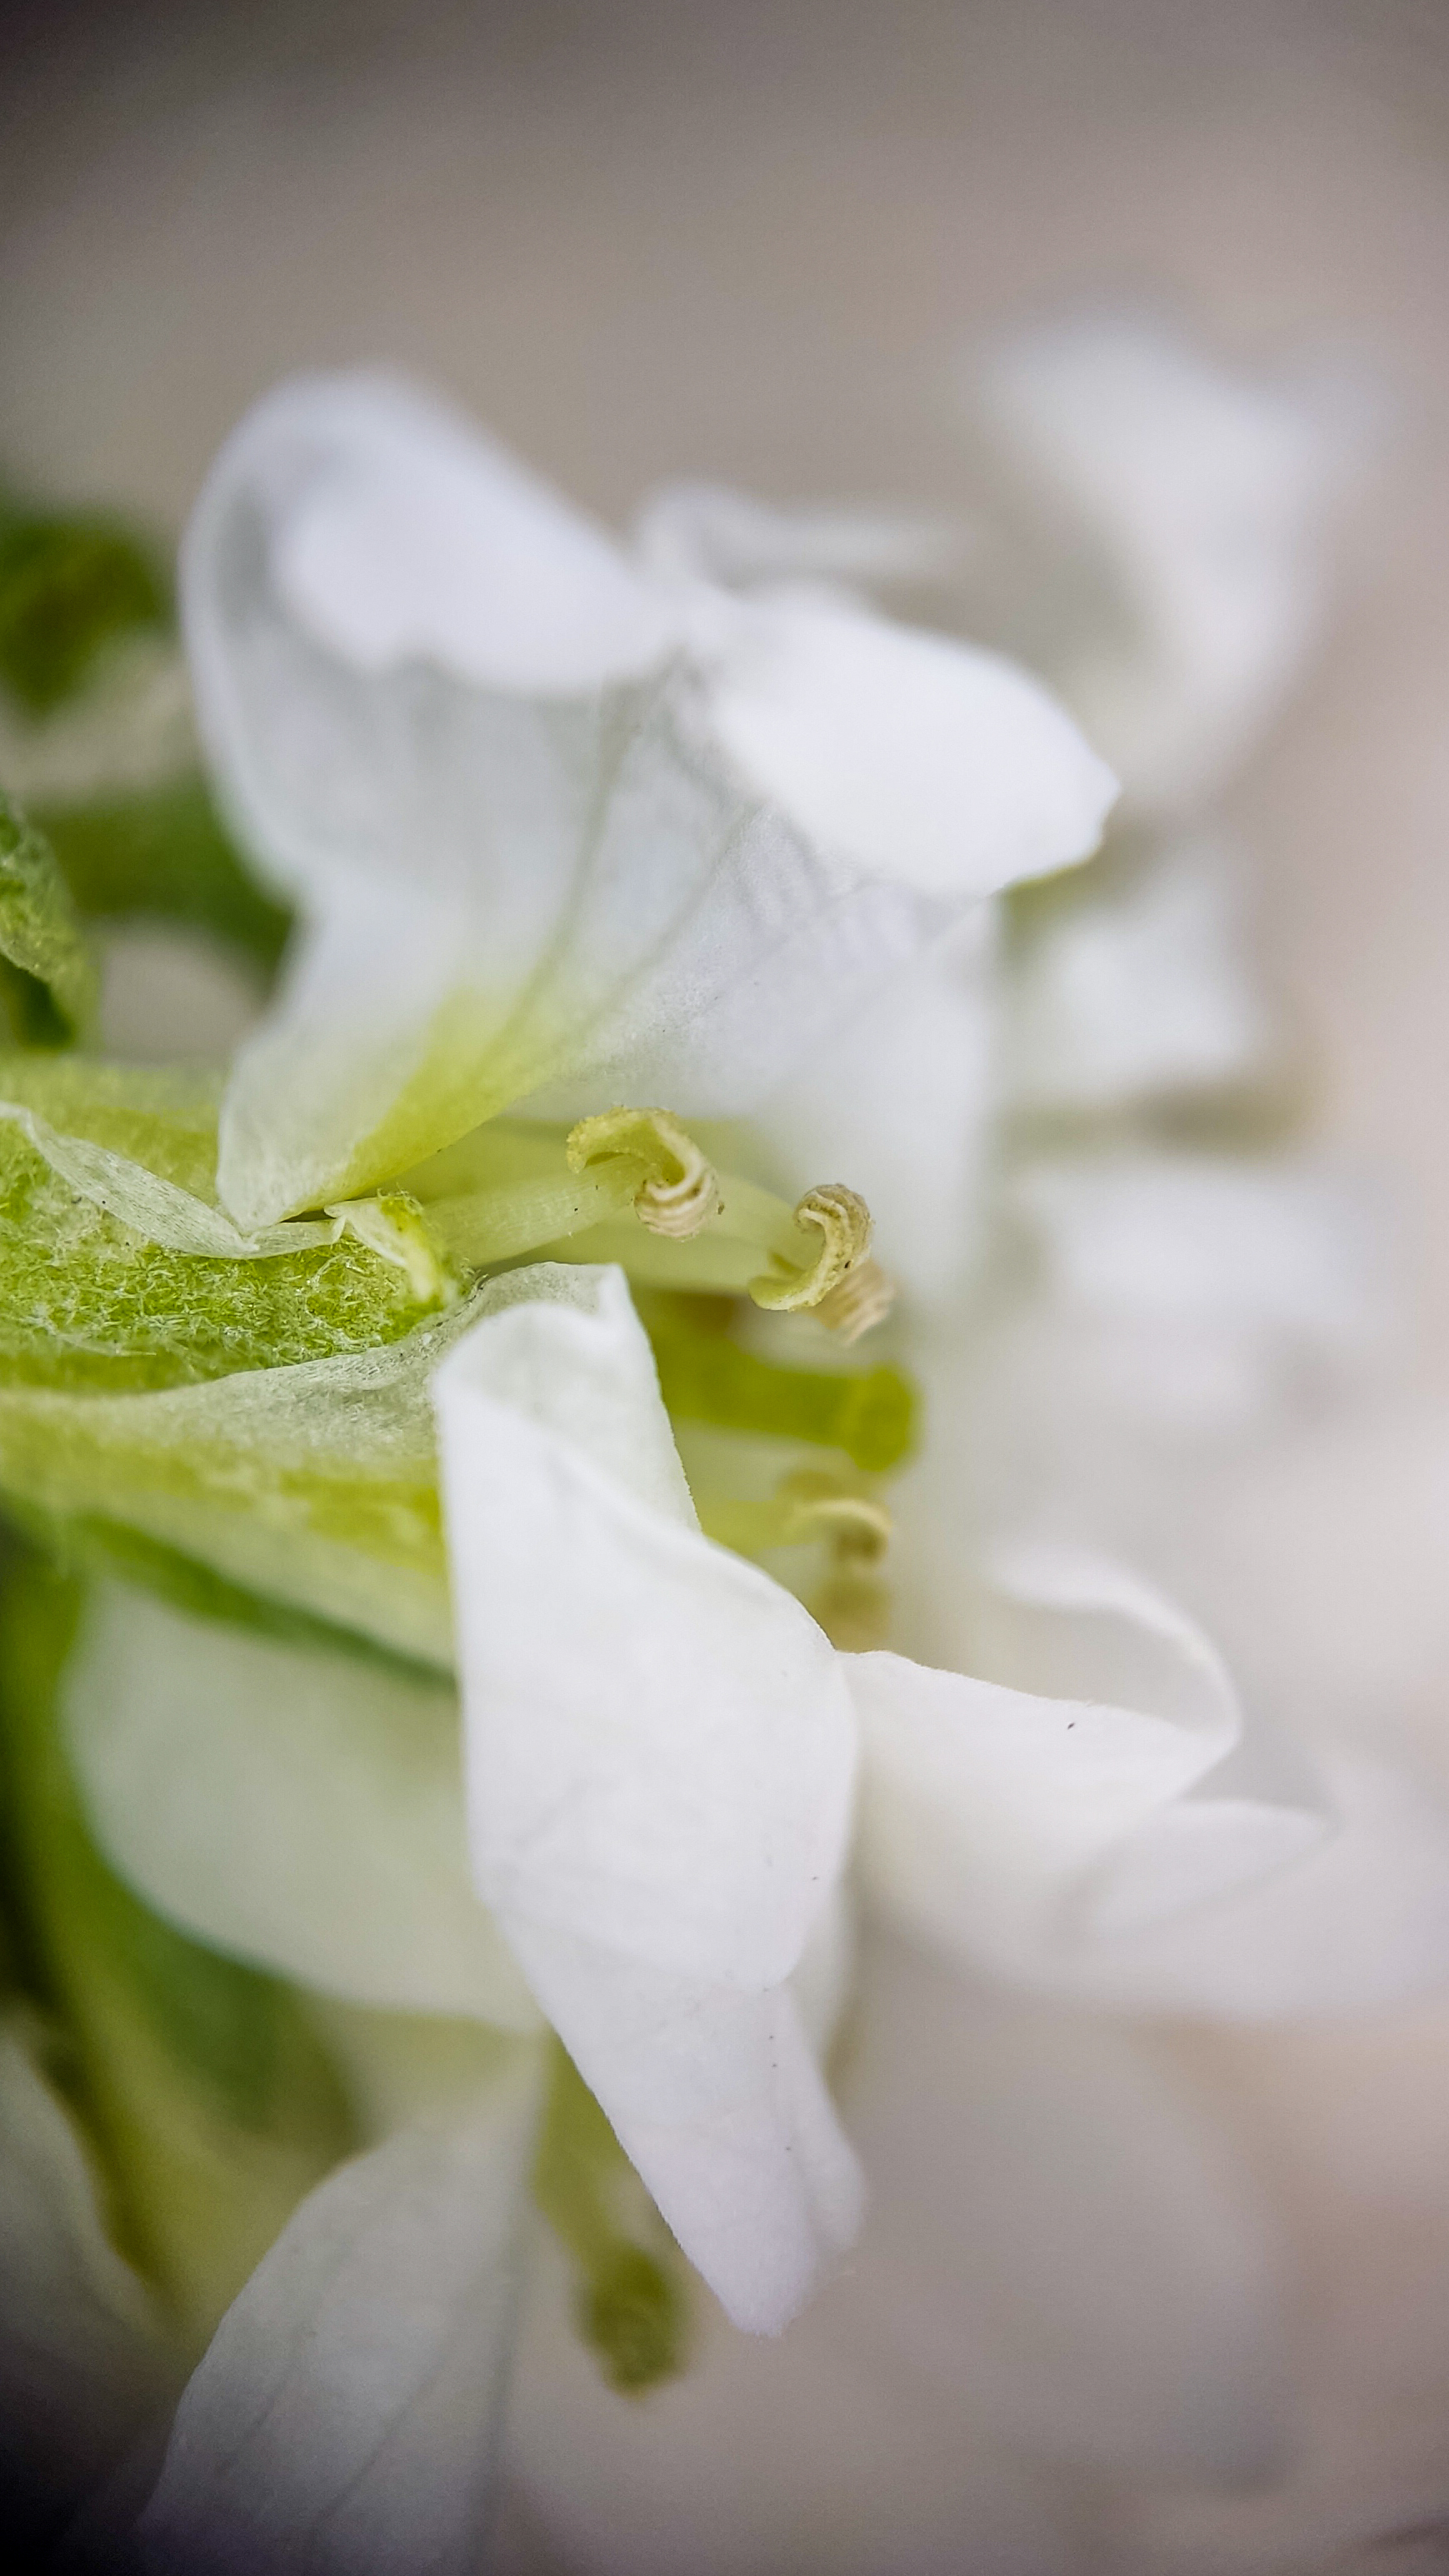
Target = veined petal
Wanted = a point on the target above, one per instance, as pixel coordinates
(904, 753)
(294, 1807)
(1014, 1815)
(660, 1757)
(344, 2420)
(503, 885)
(1204, 494)
(512, 877)
(902, 1097)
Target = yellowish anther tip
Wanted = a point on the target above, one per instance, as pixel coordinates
(863, 1298)
(678, 1192)
(842, 1219)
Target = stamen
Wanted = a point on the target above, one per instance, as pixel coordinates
(852, 1605)
(678, 1193)
(629, 2299)
(842, 1219)
(706, 1377)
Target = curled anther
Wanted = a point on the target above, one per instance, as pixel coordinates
(678, 1192)
(855, 1527)
(862, 1299)
(842, 1219)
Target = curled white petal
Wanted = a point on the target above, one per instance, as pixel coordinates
(517, 868)
(399, 535)
(660, 1758)
(910, 755)
(1022, 1814)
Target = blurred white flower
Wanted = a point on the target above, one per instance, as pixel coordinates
(568, 823)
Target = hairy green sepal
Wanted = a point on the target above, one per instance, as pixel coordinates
(96, 1161)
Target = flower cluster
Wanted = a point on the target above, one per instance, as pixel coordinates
(580, 1464)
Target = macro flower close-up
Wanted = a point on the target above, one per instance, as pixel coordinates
(724, 1818)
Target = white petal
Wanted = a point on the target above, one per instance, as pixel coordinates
(1358, 1924)
(905, 753)
(344, 2420)
(660, 1753)
(1020, 1815)
(398, 535)
(1283, 1248)
(716, 2098)
(1144, 990)
(292, 1806)
(1205, 495)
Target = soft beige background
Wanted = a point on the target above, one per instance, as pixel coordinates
(747, 241)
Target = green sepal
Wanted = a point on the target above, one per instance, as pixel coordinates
(162, 853)
(88, 1302)
(204, 2087)
(50, 977)
(629, 2299)
(704, 1376)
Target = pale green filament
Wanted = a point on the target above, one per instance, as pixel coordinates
(629, 2298)
(640, 1191)
(704, 1376)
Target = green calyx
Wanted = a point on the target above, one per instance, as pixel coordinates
(629, 2302)
(208, 2098)
(95, 1161)
(71, 584)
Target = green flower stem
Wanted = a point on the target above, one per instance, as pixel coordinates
(206, 2091)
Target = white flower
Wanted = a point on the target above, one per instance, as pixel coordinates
(551, 817)
(569, 823)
